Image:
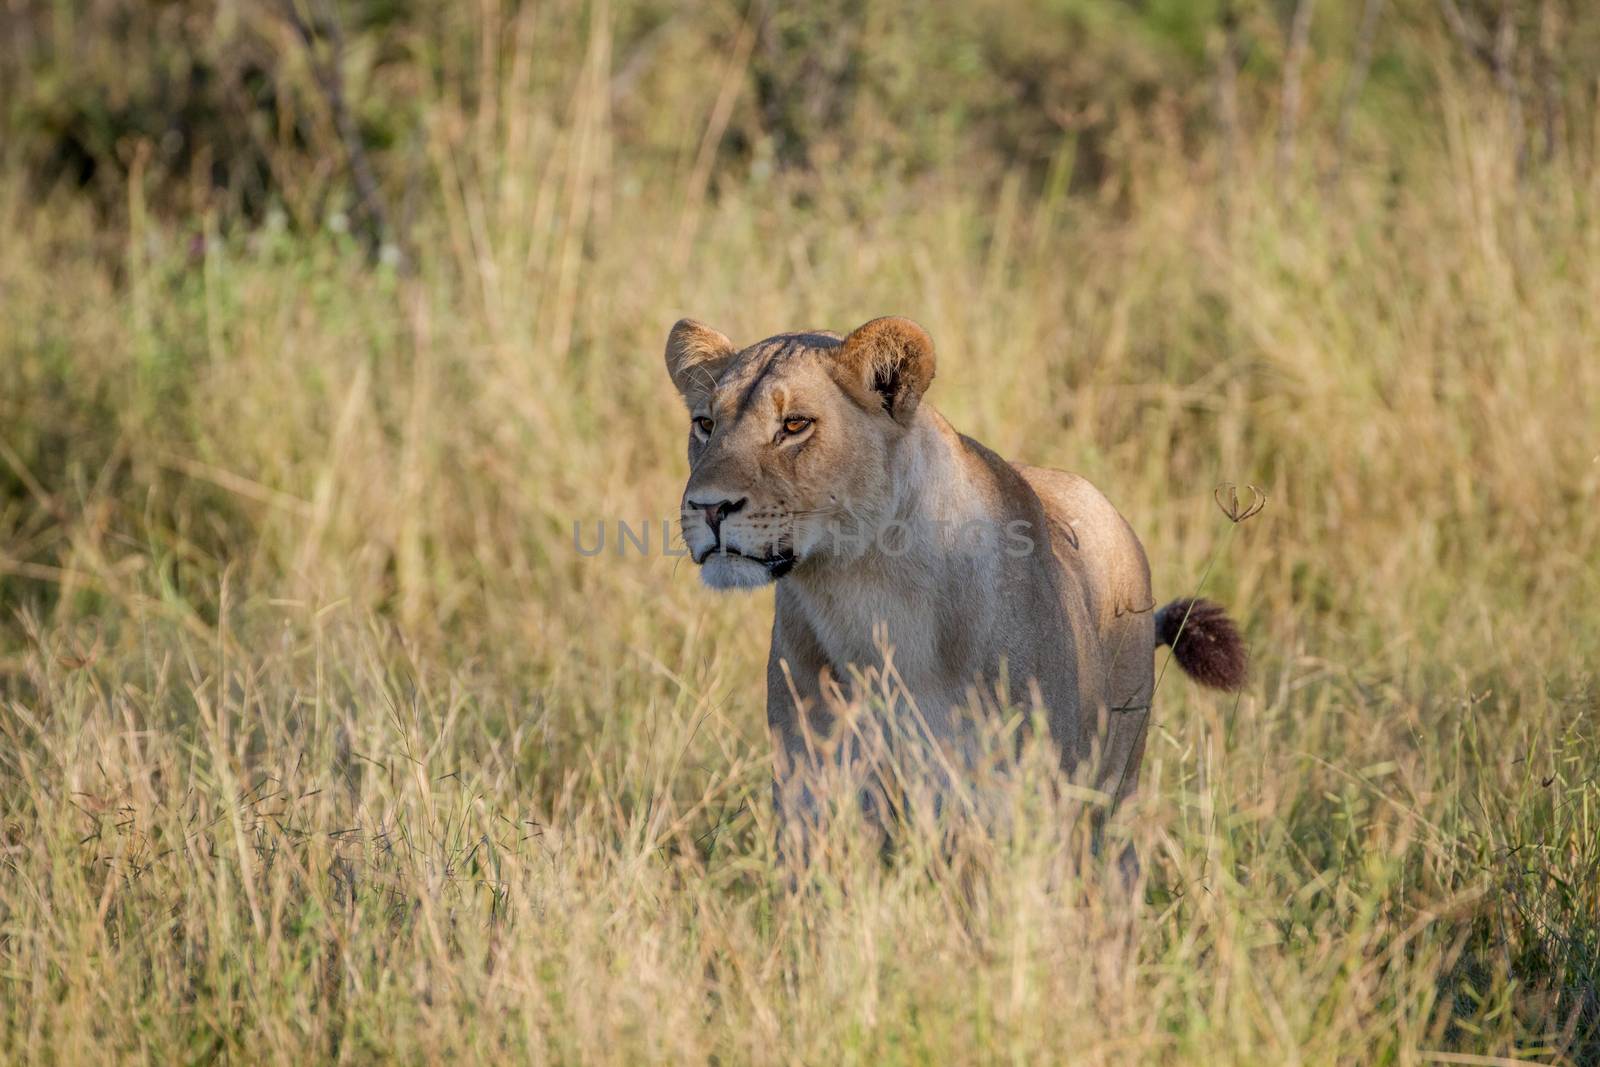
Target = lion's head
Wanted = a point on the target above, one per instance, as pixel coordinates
(791, 441)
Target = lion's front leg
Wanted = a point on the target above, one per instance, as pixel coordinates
(819, 769)
(793, 688)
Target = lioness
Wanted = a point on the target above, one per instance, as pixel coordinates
(814, 464)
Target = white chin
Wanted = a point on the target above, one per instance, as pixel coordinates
(724, 571)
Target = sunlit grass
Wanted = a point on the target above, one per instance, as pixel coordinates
(322, 740)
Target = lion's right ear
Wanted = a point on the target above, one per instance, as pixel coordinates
(888, 362)
(696, 357)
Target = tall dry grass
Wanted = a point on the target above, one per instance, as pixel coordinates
(322, 741)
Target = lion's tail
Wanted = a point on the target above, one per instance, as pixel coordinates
(1204, 641)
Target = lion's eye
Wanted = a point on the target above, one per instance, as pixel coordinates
(704, 425)
(795, 424)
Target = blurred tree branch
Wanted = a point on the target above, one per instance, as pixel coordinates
(1289, 107)
(1360, 66)
(325, 26)
(1497, 54)
(1228, 103)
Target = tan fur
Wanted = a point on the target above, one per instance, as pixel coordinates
(1067, 625)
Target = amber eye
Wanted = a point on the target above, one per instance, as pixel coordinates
(704, 425)
(795, 424)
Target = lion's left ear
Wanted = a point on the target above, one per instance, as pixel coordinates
(888, 361)
(696, 357)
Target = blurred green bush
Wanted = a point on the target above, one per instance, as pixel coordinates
(261, 104)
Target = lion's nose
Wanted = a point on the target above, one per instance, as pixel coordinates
(715, 513)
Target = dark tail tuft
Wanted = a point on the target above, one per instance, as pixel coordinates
(1205, 642)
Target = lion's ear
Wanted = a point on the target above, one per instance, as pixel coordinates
(888, 361)
(696, 357)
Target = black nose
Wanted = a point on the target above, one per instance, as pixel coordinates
(715, 513)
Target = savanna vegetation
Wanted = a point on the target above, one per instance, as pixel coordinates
(322, 322)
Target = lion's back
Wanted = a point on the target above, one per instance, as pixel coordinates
(1094, 543)
(1098, 548)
